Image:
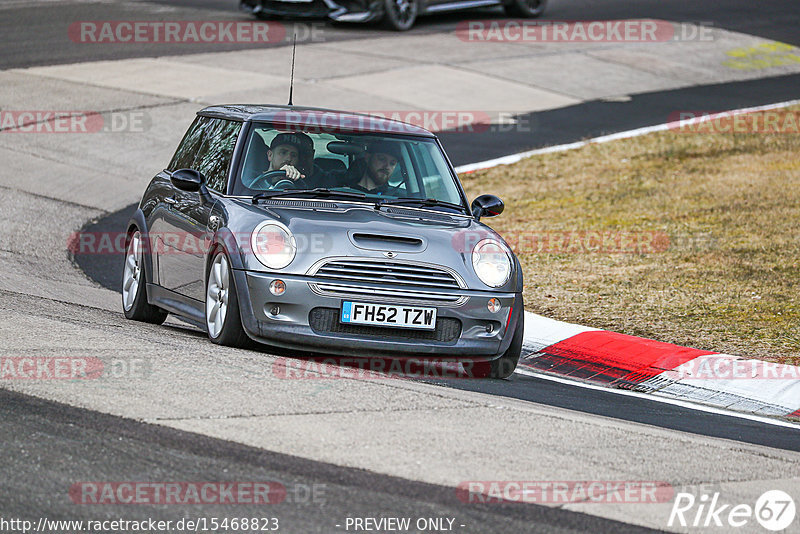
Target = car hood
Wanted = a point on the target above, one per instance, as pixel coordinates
(327, 229)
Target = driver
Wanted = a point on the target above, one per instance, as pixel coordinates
(286, 151)
(381, 160)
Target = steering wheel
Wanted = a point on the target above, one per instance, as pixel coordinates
(282, 181)
(284, 184)
(393, 189)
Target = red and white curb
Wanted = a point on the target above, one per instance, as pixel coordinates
(652, 367)
(661, 369)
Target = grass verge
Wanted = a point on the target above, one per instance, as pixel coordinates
(688, 238)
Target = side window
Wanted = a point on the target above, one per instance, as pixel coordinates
(184, 156)
(208, 147)
(216, 152)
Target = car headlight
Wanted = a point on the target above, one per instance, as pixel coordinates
(273, 244)
(492, 262)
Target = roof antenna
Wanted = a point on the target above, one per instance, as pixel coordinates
(291, 82)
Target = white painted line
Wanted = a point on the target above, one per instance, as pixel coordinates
(674, 402)
(514, 158)
(758, 381)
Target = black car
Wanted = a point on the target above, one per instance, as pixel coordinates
(396, 14)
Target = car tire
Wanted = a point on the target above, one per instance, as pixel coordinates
(400, 15)
(223, 322)
(527, 9)
(134, 284)
(261, 15)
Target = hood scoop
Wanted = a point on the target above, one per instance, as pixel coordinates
(388, 242)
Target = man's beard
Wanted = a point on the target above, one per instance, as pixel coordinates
(380, 177)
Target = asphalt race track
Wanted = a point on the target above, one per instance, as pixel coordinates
(344, 448)
(29, 39)
(105, 269)
(100, 444)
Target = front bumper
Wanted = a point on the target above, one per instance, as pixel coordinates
(303, 319)
(339, 10)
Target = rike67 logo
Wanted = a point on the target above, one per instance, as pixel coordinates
(774, 510)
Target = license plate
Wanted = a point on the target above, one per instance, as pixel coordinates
(388, 315)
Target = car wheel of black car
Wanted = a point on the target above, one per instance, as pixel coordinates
(223, 322)
(261, 15)
(134, 284)
(529, 9)
(400, 15)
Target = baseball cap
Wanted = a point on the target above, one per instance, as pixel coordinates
(385, 147)
(297, 139)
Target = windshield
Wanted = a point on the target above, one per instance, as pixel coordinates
(381, 167)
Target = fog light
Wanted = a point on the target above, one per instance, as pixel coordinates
(277, 287)
(489, 328)
(494, 305)
(276, 310)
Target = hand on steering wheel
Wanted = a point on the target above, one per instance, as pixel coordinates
(292, 173)
(278, 180)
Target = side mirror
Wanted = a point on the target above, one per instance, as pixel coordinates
(487, 206)
(188, 180)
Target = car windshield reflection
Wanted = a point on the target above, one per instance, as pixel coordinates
(403, 170)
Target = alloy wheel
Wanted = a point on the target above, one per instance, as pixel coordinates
(217, 295)
(132, 273)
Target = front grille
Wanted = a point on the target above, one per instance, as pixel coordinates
(412, 275)
(386, 280)
(396, 296)
(326, 321)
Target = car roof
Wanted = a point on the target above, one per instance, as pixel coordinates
(315, 119)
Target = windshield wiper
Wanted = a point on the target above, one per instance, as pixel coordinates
(422, 202)
(316, 192)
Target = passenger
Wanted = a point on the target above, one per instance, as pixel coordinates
(378, 166)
